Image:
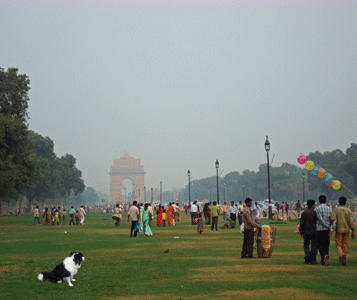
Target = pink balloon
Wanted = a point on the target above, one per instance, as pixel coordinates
(301, 159)
(329, 184)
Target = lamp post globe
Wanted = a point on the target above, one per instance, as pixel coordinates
(189, 187)
(267, 149)
(217, 166)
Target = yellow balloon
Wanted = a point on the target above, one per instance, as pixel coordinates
(321, 173)
(336, 185)
(309, 165)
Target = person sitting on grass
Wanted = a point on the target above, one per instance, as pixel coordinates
(308, 231)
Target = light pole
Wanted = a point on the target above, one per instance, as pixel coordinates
(189, 187)
(267, 148)
(161, 192)
(243, 193)
(144, 193)
(224, 192)
(152, 195)
(303, 187)
(217, 166)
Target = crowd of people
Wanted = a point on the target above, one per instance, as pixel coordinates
(315, 227)
(56, 216)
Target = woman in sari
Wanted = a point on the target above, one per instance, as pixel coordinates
(170, 214)
(159, 211)
(145, 216)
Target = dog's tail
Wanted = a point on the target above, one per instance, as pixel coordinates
(47, 276)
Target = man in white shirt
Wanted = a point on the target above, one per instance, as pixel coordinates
(233, 212)
(240, 212)
(193, 212)
(36, 216)
(133, 215)
(256, 212)
(82, 213)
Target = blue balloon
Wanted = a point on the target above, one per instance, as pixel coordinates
(328, 178)
(313, 172)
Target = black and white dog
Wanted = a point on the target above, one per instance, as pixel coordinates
(65, 270)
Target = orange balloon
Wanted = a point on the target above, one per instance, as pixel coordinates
(321, 173)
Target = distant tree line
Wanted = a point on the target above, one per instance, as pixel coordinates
(286, 181)
(29, 168)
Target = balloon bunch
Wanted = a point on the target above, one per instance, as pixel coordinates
(317, 171)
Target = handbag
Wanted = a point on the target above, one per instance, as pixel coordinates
(137, 226)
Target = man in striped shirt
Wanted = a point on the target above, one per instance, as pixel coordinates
(323, 229)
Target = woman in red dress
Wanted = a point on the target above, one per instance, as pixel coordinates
(159, 211)
(170, 214)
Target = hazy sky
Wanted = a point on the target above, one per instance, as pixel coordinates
(179, 84)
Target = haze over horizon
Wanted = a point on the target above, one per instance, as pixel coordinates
(180, 84)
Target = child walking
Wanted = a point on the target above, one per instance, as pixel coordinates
(199, 223)
(164, 217)
(77, 217)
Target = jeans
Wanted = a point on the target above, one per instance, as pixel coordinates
(311, 253)
(214, 223)
(323, 242)
(38, 220)
(208, 220)
(71, 221)
(133, 223)
(193, 217)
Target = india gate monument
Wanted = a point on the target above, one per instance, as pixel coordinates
(126, 167)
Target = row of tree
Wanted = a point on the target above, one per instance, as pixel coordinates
(29, 167)
(288, 182)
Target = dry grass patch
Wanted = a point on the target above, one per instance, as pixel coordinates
(284, 293)
(6, 269)
(249, 269)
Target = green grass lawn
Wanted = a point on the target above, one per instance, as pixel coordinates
(206, 266)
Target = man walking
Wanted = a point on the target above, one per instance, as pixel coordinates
(233, 212)
(249, 224)
(72, 212)
(308, 231)
(224, 210)
(194, 211)
(240, 212)
(133, 215)
(82, 213)
(344, 223)
(323, 229)
(36, 214)
(215, 214)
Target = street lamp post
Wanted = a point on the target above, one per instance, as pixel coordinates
(243, 193)
(161, 192)
(224, 192)
(189, 187)
(303, 187)
(217, 166)
(152, 195)
(267, 148)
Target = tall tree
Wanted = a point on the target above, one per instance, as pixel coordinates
(16, 158)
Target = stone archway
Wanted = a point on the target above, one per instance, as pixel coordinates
(126, 167)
